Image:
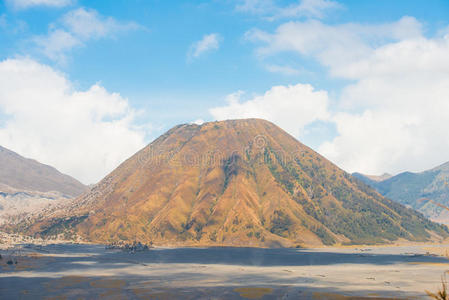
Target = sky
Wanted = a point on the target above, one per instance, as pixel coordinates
(85, 84)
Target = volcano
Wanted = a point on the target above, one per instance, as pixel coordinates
(233, 183)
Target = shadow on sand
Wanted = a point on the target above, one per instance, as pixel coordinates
(79, 269)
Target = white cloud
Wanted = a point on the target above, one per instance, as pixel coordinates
(405, 87)
(271, 10)
(208, 43)
(394, 114)
(24, 4)
(198, 122)
(291, 107)
(255, 6)
(12, 25)
(285, 70)
(85, 134)
(88, 24)
(56, 44)
(75, 28)
(332, 46)
(373, 142)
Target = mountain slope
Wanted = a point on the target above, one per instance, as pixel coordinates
(235, 183)
(422, 191)
(365, 179)
(24, 174)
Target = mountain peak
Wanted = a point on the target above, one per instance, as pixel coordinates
(236, 182)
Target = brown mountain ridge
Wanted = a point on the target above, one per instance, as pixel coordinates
(233, 183)
(24, 174)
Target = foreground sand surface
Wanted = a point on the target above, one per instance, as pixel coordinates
(68, 271)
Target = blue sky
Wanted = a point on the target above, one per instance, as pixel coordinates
(144, 52)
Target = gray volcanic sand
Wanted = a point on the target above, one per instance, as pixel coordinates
(90, 272)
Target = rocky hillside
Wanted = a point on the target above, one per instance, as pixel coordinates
(423, 191)
(234, 183)
(16, 205)
(28, 187)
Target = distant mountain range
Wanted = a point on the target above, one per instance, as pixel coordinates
(26, 174)
(232, 183)
(27, 186)
(425, 191)
(375, 178)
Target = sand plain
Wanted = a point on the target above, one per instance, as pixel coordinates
(72, 271)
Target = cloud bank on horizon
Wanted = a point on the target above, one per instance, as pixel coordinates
(85, 133)
(389, 113)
